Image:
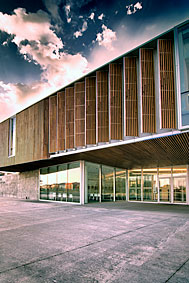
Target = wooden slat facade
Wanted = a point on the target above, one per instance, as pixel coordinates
(102, 106)
(90, 86)
(115, 82)
(131, 97)
(69, 96)
(61, 121)
(79, 109)
(167, 83)
(53, 123)
(148, 91)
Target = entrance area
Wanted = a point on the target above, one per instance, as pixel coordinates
(85, 182)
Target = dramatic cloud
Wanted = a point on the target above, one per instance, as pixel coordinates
(101, 17)
(106, 38)
(133, 8)
(67, 10)
(38, 43)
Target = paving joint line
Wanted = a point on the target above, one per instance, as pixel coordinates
(177, 270)
(81, 247)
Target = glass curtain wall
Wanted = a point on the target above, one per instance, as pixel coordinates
(61, 183)
(120, 184)
(179, 184)
(135, 185)
(150, 187)
(107, 183)
(165, 184)
(92, 182)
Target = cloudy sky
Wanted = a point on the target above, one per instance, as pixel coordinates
(45, 44)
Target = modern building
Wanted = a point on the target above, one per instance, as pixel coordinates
(119, 133)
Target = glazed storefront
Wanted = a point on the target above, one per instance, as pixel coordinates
(84, 182)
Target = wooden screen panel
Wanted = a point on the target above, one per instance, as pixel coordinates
(61, 121)
(53, 123)
(115, 75)
(148, 91)
(167, 88)
(102, 108)
(90, 85)
(79, 97)
(131, 97)
(69, 95)
(45, 127)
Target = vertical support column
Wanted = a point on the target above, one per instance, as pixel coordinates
(90, 91)
(114, 185)
(100, 183)
(69, 96)
(61, 121)
(82, 182)
(86, 184)
(187, 185)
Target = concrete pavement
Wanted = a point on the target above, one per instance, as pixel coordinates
(108, 242)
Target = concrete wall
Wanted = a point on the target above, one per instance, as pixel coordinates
(20, 185)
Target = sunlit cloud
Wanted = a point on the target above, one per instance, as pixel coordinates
(133, 8)
(92, 16)
(106, 38)
(101, 17)
(38, 43)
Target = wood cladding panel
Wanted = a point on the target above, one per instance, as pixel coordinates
(115, 77)
(131, 97)
(167, 84)
(79, 105)
(102, 106)
(69, 97)
(53, 123)
(148, 91)
(90, 86)
(61, 121)
(45, 120)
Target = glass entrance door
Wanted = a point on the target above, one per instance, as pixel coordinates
(165, 189)
(92, 182)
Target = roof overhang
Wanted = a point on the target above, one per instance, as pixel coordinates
(155, 152)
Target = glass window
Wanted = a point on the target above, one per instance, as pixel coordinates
(120, 184)
(179, 183)
(107, 183)
(135, 185)
(92, 182)
(165, 184)
(183, 36)
(61, 183)
(73, 185)
(12, 136)
(150, 189)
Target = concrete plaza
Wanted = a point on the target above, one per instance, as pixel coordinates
(107, 242)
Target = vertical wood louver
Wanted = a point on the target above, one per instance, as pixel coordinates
(90, 85)
(61, 121)
(131, 97)
(102, 106)
(79, 106)
(53, 123)
(69, 96)
(148, 91)
(167, 88)
(115, 77)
